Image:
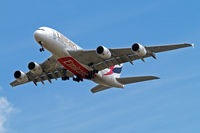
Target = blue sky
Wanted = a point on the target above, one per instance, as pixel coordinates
(170, 104)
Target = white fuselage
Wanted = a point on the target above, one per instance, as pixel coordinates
(59, 46)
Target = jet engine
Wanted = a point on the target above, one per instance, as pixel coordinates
(103, 52)
(20, 76)
(35, 68)
(138, 49)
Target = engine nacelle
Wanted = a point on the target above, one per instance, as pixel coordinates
(138, 49)
(20, 76)
(35, 68)
(103, 52)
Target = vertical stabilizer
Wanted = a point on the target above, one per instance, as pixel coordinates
(117, 70)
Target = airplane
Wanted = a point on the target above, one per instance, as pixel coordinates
(102, 65)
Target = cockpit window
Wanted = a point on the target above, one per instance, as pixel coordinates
(41, 29)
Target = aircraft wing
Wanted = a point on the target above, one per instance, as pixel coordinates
(119, 55)
(51, 70)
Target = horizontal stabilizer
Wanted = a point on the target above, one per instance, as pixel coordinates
(99, 88)
(129, 80)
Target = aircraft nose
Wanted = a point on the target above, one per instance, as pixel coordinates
(38, 34)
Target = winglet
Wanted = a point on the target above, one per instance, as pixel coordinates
(192, 45)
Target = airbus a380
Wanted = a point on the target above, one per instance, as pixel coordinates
(102, 66)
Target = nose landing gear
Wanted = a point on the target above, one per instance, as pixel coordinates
(41, 49)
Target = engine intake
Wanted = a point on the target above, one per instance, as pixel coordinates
(35, 68)
(100, 50)
(17, 74)
(31, 65)
(103, 52)
(135, 47)
(138, 49)
(20, 76)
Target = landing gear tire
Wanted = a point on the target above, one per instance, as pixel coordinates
(77, 79)
(41, 49)
(65, 78)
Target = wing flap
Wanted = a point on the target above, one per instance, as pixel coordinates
(129, 80)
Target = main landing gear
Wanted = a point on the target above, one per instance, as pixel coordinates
(65, 78)
(77, 79)
(91, 74)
